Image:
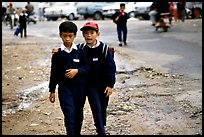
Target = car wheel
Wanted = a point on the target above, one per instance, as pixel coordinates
(132, 14)
(85, 16)
(48, 19)
(146, 17)
(98, 16)
(71, 16)
(54, 18)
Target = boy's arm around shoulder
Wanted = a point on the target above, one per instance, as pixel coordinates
(54, 50)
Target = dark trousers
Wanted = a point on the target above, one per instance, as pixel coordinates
(94, 101)
(72, 100)
(23, 28)
(122, 31)
(79, 98)
(104, 103)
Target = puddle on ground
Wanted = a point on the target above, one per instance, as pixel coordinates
(28, 97)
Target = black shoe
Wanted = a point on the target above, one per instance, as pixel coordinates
(125, 43)
(120, 44)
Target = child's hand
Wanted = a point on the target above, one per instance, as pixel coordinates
(108, 91)
(54, 50)
(71, 73)
(52, 97)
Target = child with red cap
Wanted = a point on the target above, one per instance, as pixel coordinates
(101, 78)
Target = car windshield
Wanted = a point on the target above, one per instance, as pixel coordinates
(143, 4)
(95, 3)
(61, 4)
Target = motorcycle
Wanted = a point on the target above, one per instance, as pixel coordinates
(33, 18)
(164, 22)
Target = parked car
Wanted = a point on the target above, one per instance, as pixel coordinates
(142, 10)
(62, 10)
(109, 10)
(92, 9)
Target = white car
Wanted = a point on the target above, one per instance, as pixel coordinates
(109, 10)
(61, 10)
(142, 9)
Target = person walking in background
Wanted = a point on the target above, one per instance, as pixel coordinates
(175, 15)
(120, 18)
(3, 11)
(152, 13)
(181, 10)
(173, 11)
(68, 70)
(23, 23)
(45, 5)
(29, 9)
(41, 12)
(10, 11)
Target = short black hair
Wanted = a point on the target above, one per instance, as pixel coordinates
(122, 4)
(68, 26)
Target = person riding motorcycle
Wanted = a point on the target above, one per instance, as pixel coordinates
(160, 6)
(10, 9)
(10, 12)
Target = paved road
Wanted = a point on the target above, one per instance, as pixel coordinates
(179, 50)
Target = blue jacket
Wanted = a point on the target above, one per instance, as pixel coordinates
(102, 68)
(61, 61)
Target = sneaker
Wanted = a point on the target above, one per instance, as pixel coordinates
(157, 24)
(120, 44)
(106, 131)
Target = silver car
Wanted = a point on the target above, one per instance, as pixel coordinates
(142, 9)
(61, 10)
(92, 9)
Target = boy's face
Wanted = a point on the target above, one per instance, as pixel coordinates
(67, 38)
(122, 8)
(90, 36)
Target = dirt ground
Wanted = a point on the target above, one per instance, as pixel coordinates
(146, 100)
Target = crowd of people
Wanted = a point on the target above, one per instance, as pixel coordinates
(21, 16)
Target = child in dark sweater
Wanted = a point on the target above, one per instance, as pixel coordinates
(23, 23)
(101, 77)
(68, 70)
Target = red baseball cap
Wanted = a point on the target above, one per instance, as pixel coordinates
(92, 25)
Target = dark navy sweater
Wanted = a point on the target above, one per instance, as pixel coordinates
(61, 61)
(102, 69)
(122, 21)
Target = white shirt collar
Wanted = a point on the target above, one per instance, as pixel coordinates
(97, 44)
(65, 49)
